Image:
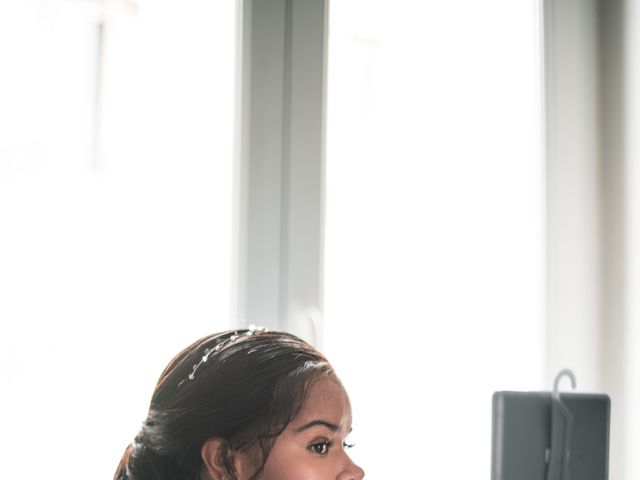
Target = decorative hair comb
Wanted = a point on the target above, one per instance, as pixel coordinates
(253, 330)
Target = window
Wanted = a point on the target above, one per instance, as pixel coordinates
(434, 225)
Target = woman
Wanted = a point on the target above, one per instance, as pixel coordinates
(243, 405)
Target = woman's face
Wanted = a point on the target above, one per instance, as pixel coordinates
(313, 446)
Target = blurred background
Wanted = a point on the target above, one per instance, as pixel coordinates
(439, 195)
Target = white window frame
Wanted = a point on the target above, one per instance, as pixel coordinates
(587, 322)
(280, 164)
(280, 183)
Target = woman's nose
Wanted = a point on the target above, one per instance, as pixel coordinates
(359, 473)
(351, 471)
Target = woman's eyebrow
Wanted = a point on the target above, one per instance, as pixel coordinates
(331, 426)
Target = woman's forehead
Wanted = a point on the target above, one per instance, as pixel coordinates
(327, 400)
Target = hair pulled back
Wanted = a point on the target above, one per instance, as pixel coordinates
(245, 392)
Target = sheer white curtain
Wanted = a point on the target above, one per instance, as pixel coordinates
(434, 282)
(115, 216)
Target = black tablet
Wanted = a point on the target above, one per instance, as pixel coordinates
(521, 442)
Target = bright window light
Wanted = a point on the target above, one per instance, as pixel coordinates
(434, 273)
(115, 216)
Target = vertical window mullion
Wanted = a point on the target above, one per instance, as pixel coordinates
(280, 171)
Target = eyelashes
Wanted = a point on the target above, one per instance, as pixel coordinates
(322, 447)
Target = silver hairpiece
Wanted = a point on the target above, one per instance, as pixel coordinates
(208, 351)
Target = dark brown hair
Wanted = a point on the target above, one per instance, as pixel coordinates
(245, 391)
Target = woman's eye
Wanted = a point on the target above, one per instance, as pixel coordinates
(320, 448)
(348, 445)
